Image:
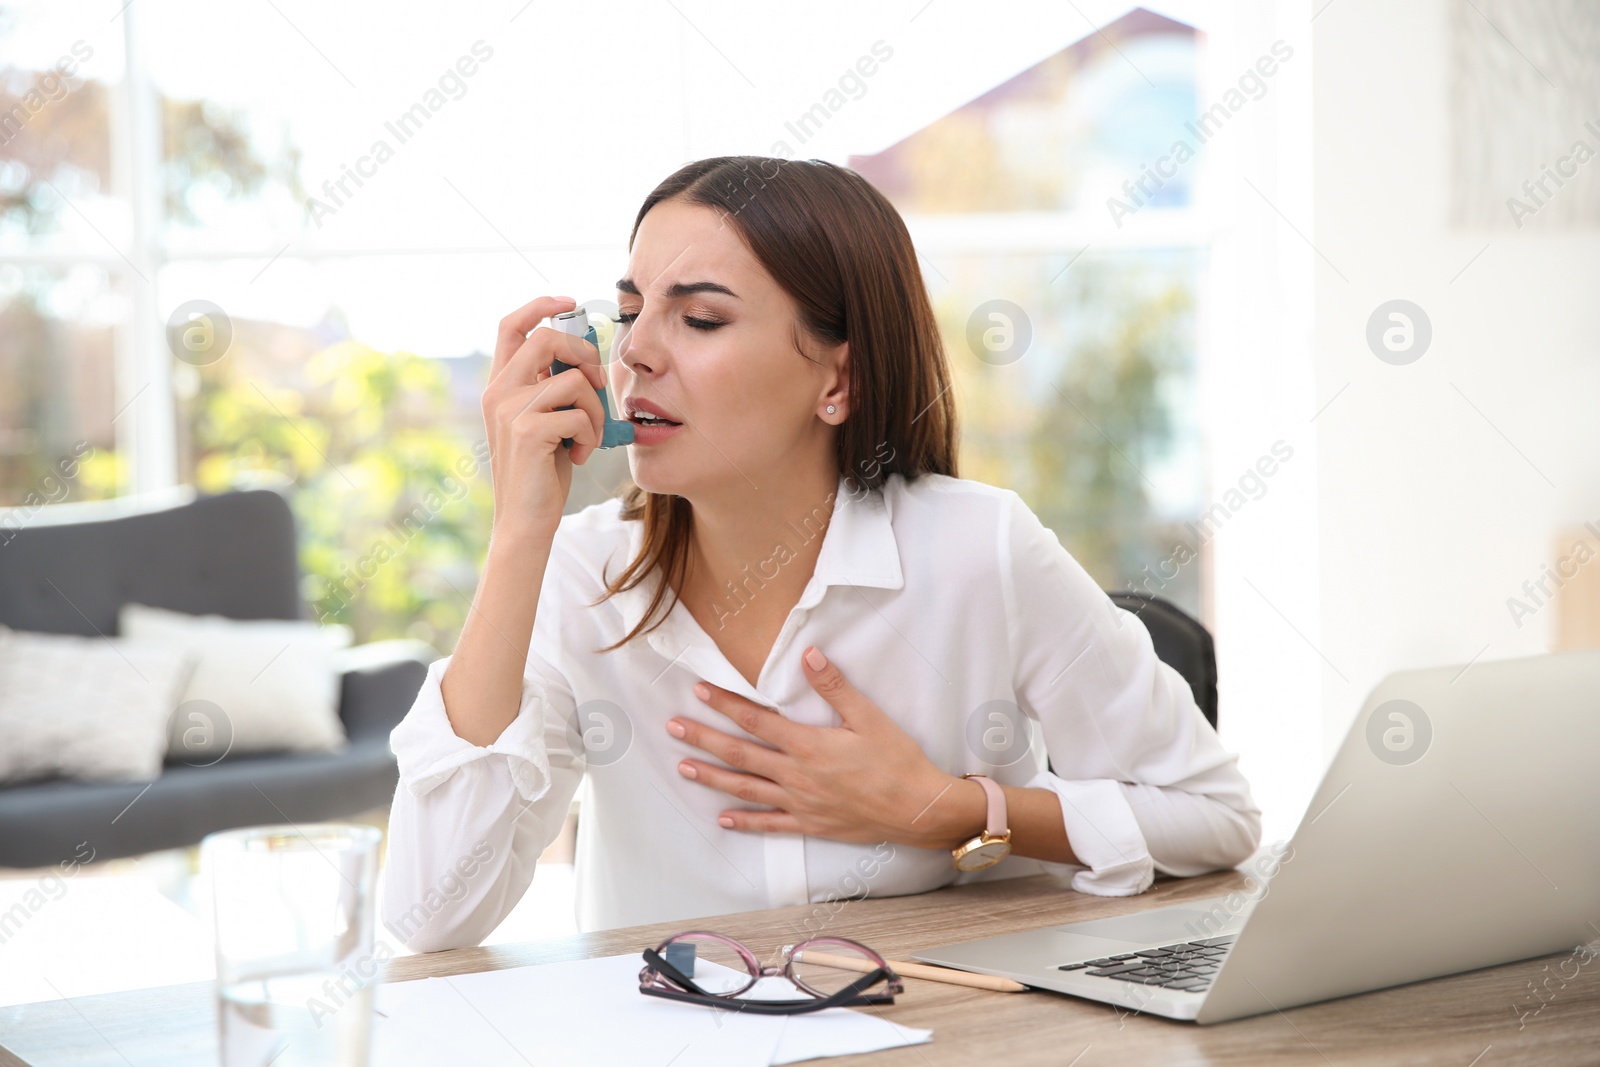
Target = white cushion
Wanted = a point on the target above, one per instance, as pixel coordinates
(86, 707)
(268, 685)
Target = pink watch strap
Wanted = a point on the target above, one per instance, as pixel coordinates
(997, 802)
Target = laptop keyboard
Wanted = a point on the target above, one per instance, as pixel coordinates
(1187, 966)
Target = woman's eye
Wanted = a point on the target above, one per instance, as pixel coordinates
(625, 318)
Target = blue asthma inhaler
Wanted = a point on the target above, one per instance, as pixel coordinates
(576, 322)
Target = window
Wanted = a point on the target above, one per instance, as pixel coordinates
(1078, 389)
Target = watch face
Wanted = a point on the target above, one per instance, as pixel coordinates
(985, 855)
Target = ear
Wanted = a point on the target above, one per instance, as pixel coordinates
(837, 383)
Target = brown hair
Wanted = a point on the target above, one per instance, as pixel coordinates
(840, 250)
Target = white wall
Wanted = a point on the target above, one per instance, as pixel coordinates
(1259, 390)
(1442, 484)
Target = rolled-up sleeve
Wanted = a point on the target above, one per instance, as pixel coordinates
(469, 822)
(1144, 782)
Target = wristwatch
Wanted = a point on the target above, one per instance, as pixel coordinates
(994, 843)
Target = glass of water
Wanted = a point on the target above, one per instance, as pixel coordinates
(295, 960)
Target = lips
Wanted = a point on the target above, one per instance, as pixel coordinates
(639, 409)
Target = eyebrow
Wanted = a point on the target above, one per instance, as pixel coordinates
(626, 285)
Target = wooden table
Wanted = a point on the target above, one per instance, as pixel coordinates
(1467, 1020)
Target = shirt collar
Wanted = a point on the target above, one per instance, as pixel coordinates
(858, 548)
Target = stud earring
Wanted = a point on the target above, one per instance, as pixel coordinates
(831, 409)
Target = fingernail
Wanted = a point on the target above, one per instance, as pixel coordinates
(726, 821)
(702, 690)
(675, 728)
(686, 769)
(816, 659)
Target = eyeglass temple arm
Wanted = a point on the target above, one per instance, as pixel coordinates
(656, 960)
(865, 982)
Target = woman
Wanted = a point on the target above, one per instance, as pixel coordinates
(773, 659)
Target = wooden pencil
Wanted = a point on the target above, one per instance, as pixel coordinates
(918, 970)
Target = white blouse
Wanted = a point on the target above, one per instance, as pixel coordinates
(943, 600)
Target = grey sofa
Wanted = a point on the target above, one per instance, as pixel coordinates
(232, 554)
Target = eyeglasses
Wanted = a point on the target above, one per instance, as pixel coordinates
(701, 967)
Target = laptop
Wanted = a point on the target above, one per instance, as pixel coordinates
(1458, 827)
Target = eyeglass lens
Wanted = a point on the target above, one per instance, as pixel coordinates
(713, 964)
(840, 963)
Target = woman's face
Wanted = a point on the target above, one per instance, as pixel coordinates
(709, 338)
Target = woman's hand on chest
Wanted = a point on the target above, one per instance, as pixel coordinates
(864, 781)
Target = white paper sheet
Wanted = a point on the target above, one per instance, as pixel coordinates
(591, 1012)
